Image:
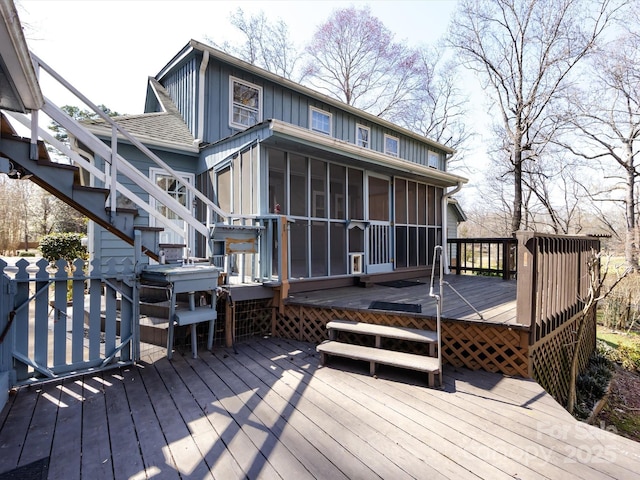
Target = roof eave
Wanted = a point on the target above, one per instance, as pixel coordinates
(372, 156)
(16, 56)
(105, 133)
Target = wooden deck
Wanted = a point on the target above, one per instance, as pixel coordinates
(270, 412)
(493, 297)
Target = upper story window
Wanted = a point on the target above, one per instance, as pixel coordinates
(391, 145)
(246, 104)
(320, 121)
(434, 159)
(363, 136)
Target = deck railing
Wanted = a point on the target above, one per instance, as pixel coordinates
(483, 256)
(553, 279)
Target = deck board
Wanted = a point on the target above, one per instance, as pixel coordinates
(493, 297)
(269, 411)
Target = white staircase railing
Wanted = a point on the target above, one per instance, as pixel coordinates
(115, 164)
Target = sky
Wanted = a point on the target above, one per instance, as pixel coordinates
(107, 49)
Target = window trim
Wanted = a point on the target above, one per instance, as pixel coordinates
(322, 112)
(241, 126)
(363, 127)
(391, 137)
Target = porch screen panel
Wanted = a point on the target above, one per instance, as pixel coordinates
(223, 189)
(422, 246)
(278, 202)
(356, 199)
(338, 244)
(319, 189)
(356, 240)
(422, 204)
(319, 249)
(438, 202)
(413, 246)
(378, 199)
(412, 194)
(431, 206)
(298, 248)
(237, 185)
(246, 181)
(337, 199)
(401, 246)
(298, 185)
(401, 201)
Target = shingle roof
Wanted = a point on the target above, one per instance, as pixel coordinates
(165, 127)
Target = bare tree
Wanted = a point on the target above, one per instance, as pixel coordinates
(604, 126)
(354, 58)
(438, 108)
(267, 45)
(524, 51)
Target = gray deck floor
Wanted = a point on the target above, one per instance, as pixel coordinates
(270, 412)
(493, 297)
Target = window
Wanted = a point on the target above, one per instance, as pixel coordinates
(320, 121)
(363, 135)
(391, 145)
(246, 104)
(434, 159)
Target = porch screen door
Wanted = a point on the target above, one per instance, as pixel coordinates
(379, 228)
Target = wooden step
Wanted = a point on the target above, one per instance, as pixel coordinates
(379, 356)
(387, 331)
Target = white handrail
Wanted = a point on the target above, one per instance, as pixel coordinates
(118, 163)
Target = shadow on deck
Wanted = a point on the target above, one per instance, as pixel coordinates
(270, 412)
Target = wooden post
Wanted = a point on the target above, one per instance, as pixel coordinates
(283, 262)
(229, 324)
(525, 288)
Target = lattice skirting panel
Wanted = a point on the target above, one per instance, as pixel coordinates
(550, 358)
(491, 347)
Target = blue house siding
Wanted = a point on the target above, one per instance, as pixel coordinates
(279, 101)
(110, 245)
(181, 85)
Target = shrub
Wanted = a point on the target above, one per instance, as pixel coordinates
(592, 384)
(26, 254)
(63, 245)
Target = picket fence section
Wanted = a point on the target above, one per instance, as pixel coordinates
(60, 319)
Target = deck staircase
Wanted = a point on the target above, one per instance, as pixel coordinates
(383, 353)
(98, 192)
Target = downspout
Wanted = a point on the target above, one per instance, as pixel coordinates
(201, 79)
(445, 250)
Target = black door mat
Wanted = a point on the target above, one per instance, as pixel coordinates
(38, 470)
(400, 283)
(396, 307)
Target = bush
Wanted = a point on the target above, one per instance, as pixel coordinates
(592, 384)
(26, 254)
(63, 245)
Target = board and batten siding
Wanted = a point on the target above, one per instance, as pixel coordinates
(107, 244)
(182, 86)
(278, 102)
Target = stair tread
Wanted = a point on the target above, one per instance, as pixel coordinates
(388, 331)
(378, 355)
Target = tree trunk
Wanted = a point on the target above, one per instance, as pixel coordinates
(516, 220)
(630, 247)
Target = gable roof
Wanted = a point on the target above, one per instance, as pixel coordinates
(163, 129)
(194, 45)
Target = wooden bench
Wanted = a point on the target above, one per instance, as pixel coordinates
(377, 355)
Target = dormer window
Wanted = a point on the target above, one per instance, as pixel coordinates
(320, 121)
(391, 145)
(246, 104)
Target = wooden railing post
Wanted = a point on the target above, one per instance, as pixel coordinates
(526, 281)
